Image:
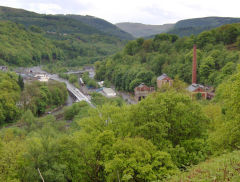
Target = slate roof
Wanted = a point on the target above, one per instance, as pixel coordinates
(163, 76)
(141, 85)
(194, 87)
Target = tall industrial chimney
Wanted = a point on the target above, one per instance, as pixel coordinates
(194, 66)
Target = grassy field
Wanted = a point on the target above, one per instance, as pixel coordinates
(223, 168)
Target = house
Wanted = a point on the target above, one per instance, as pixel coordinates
(142, 91)
(164, 80)
(109, 92)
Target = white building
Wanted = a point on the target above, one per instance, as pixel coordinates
(109, 92)
(42, 77)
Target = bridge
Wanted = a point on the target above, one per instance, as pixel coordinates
(73, 90)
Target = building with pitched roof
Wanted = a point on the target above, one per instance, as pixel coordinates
(142, 91)
(164, 80)
(198, 89)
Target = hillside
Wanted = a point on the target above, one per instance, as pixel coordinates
(197, 25)
(77, 42)
(103, 26)
(49, 23)
(143, 30)
(222, 168)
(62, 24)
(22, 47)
(142, 61)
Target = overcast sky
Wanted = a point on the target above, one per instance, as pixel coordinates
(141, 11)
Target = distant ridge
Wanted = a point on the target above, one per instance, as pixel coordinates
(143, 30)
(102, 25)
(197, 25)
(182, 28)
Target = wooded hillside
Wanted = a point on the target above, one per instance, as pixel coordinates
(144, 60)
(63, 24)
(22, 47)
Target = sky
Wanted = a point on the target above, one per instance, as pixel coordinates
(155, 12)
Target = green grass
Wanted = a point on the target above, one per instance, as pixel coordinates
(223, 168)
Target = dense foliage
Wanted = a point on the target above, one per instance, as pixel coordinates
(226, 132)
(144, 142)
(9, 97)
(80, 49)
(38, 96)
(222, 168)
(21, 47)
(89, 81)
(76, 111)
(48, 38)
(17, 97)
(144, 60)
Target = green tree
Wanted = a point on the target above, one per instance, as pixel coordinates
(20, 82)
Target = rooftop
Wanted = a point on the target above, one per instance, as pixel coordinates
(109, 91)
(143, 87)
(163, 76)
(195, 86)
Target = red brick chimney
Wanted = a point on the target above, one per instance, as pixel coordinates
(194, 66)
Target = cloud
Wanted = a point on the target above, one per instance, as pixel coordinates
(50, 6)
(144, 11)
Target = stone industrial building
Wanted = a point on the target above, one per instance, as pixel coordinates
(164, 80)
(142, 91)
